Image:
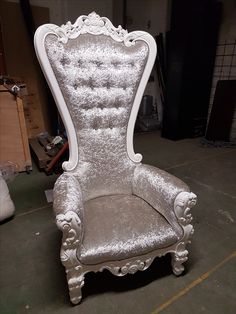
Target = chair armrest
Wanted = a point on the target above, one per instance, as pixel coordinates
(68, 207)
(159, 189)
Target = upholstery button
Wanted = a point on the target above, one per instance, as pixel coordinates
(98, 63)
(95, 125)
(64, 60)
(115, 64)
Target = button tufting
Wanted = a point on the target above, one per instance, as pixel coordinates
(98, 63)
(64, 60)
(95, 125)
(115, 64)
(91, 83)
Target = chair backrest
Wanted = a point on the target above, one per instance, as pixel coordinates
(97, 74)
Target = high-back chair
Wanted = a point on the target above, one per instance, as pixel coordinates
(115, 212)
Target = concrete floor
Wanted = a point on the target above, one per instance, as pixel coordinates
(32, 279)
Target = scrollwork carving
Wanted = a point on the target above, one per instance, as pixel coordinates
(183, 203)
(178, 258)
(129, 268)
(92, 24)
(70, 224)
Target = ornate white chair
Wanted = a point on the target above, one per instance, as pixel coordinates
(115, 213)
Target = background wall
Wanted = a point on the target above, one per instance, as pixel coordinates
(62, 11)
(21, 63)
(150, 15)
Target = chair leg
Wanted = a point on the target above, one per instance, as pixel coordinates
(178, 258)
(75, 284)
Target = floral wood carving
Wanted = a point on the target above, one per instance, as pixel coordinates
(183, 203)
(70, 224)
(129, 268)
(178, 258)
(92, 24)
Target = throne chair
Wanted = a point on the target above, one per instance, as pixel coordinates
(114, 212)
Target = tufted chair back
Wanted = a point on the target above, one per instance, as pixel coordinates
(98, 77)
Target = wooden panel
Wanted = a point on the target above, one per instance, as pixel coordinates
(222, 113)
(14, 145)
(2, 57)
(21, 62)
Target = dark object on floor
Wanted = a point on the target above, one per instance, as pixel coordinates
(190, 63)
(49, 152)
(57, 157)
(222, 113)
(39, 153)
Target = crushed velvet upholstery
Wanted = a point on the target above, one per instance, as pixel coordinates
(98, 78)
(132, 202)
(159, 188)
(122, 226)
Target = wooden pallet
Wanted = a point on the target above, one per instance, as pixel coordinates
(38, 150)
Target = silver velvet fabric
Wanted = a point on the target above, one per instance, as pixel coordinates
(98, 78)
(117, 227)
(67, 195)
(126, 209)
(159, 189)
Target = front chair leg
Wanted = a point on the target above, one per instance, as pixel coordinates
(178, 258)
(75, 283)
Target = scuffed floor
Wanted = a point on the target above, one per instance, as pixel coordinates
(32, 279)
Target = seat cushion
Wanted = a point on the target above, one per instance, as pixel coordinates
(117, 227)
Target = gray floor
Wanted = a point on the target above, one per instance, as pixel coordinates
(32, 279)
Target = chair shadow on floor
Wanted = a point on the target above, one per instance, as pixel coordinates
(98, 283)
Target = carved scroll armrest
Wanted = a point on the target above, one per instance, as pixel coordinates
(158, 188)
(70, 224)
(182, 205)
(68, 207)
